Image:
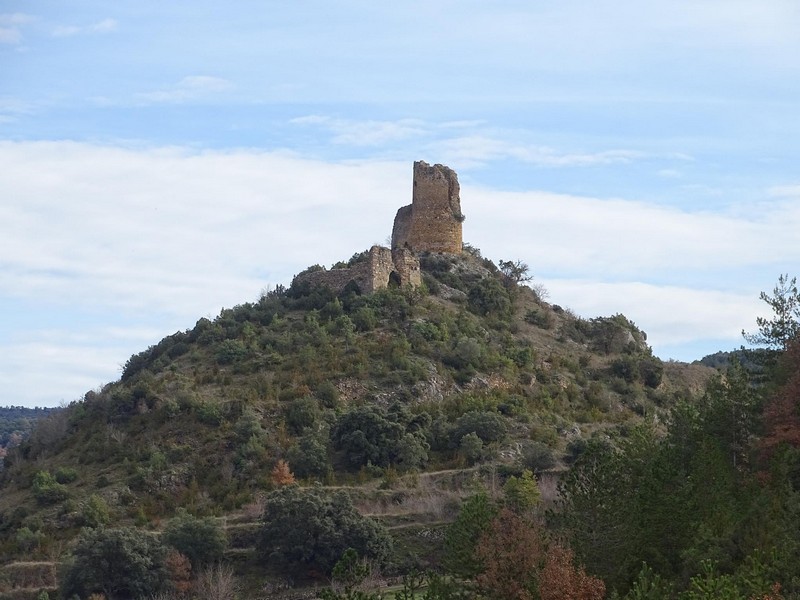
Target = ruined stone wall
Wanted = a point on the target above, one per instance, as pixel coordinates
(407, 266)
(335, 279)
(432, 223)
(370, 275)
(380, 268)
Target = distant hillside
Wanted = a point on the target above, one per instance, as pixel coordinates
(16, 422)
(751, 359)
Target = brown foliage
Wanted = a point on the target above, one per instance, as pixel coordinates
(512, 551)
(782, 411)
(180, 571)
(773, 594)
(519, 564)
(562, 580)
(281, 474)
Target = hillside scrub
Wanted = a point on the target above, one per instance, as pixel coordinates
(351, 393)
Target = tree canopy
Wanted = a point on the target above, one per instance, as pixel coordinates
(784, 325)
(306, 531)
(118, 563)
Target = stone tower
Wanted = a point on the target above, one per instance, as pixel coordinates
(432, 222)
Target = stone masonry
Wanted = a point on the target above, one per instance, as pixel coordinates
(382, 267)
(431, 223)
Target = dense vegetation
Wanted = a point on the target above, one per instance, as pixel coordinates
(290, 440)
(16, 423)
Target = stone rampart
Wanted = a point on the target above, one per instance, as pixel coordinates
(381, 267)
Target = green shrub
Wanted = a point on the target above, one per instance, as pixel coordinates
(488, 426)
(66, 475)
(371, 435)
(47, 490)
(537, 456)
(471, 447)
(489, 297)
(301, 414)
(209, 413)
(118, 563)
(95, 512)
(28, 540)
(540, 317)
(231, 351)
(308, 457)
(327, 394)
(201, 540)
(521, 493)
(307, 531)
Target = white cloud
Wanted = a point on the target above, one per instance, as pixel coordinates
(104, 26)
(158, 227)
(785, 191)
(192, 87)
(476, 150)
(10, 23)
(10, 36)
(467, 151)
(624, 238)
(45, 367)
(160, 237)
(670, 315)
(16, 18)
(366, 133)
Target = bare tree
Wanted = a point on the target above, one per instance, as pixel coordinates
(217, 583)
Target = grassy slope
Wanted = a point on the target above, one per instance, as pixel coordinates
(199, 420)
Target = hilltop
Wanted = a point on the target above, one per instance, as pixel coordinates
(400, 376)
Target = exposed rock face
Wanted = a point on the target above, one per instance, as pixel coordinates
(432, 222)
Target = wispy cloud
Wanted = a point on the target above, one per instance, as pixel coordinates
(192, 87)
(104, 26)
(10, 27)
(9, 35)
(366, 133)
(12, 108)
(477, 150)
(471, 149)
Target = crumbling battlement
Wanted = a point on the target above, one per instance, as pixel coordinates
(382, 267)
(432, 222)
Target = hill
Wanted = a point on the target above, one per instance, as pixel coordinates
(200, 419)
(402, 378)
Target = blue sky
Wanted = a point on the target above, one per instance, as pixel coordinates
(161, 161)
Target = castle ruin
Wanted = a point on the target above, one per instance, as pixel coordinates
(431, 223)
